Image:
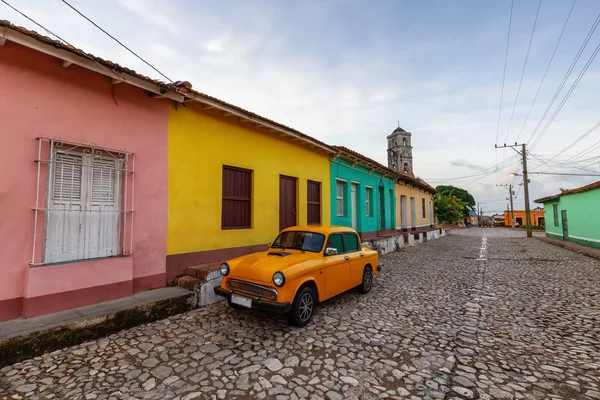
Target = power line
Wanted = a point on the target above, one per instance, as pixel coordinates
(118, 41)
(567, 95)
(566, 77)
(483, 172)
(537, 13)
(504, 73)
(592, 129)
(117, 76)
(547, 69)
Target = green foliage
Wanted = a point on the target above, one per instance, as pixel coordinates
(462, 194)
(448, 209)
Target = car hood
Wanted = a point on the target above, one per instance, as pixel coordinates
(262, 266)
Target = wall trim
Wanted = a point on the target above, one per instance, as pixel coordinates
(177, 263)
(11, 308)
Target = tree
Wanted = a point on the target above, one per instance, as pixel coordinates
(462, 194)
(448, 208)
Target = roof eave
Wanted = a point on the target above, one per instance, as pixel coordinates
(257, 121)
(84, 62)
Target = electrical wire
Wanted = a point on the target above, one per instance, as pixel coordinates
(512, 3)
(547, 69)
(567, 95)
(592, 129)
(537, 13)
(483, 172)
(116, 75)
(118, 41)
(566, 77)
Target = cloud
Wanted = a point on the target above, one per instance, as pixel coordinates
(465, 164)
(154, 14)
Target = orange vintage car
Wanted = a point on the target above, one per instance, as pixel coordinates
(303, 266)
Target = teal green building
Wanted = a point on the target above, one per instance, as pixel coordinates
(574, 215)
(362, 193)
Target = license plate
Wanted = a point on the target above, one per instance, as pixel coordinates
(242, 301)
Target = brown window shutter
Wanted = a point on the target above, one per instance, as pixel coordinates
(237, 198)
(314, 203)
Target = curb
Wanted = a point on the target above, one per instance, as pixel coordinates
(31, 345)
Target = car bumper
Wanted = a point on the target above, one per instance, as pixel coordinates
(257, 303)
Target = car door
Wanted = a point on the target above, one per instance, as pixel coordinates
(354, 254)
(337, 270)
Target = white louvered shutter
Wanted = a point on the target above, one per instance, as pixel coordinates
(64, 222)
(103, 201)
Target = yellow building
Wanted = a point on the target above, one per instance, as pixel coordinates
(235, 180)
(414, 208)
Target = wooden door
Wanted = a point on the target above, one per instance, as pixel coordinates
(565, 225)
(404, 217)
(353, 210)
(287, 201)
(413, 213)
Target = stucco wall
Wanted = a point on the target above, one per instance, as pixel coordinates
(583, 217)
(342, 169)
(41, 98)
(200, 143)
(408, 190)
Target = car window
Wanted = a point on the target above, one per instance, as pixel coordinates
(335, 241)
(351, 242)
(300, 240)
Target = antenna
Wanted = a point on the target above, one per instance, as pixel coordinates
(398, 123)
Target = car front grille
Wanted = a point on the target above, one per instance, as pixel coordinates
(253, 289)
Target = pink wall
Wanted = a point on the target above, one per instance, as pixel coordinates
(41, 98)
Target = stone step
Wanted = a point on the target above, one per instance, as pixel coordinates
(188, 282)
(204, 272)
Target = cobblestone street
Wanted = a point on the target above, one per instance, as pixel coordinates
(479, 314)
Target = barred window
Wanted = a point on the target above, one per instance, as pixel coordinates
(341, 188)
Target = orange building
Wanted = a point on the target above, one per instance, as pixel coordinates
(536, 215)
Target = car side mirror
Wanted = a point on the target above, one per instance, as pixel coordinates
(331, 251)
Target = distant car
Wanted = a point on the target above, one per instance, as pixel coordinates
(303, 266)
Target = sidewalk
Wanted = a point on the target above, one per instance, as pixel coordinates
(25, 338)
(578, 248)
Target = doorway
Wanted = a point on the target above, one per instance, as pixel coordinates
(353, 203)
(413, 213)
(381, 208)
(287, 201)
(565, 225)
(403, 214)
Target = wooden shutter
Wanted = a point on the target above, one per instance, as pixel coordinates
(64, 219)
(236, 210)
(314, 203)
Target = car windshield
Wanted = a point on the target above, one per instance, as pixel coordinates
(300, 240)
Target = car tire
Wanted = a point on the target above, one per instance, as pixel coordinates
(234, 306)
(367, 281)
(303, 307)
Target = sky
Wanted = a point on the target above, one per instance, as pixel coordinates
(349, 72)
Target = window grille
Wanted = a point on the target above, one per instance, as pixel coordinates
(86, 203)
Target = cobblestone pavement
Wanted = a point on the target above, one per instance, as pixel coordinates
(479, 314)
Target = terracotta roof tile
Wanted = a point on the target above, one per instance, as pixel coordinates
(591, 186)
(181, 87)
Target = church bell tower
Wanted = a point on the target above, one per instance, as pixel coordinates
(400, 157)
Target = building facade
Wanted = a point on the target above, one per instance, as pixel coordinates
(574, 215)
(362, 193)
(536, 217)
(234, 184)
(83, 199)
(414, 209)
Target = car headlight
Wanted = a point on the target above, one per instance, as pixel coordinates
(224, 268)
(278, 279)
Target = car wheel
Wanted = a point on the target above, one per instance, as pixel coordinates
(303, 307)
(367, 281)
(235, 306)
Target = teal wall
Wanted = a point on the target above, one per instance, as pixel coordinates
(583, 217)
(342, 169)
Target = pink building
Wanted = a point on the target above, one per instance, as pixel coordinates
(83, 178)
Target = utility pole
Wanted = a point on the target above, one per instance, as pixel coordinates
(526, 188)
(512, 210)
(523, 154)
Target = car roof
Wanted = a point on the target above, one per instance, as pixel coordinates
(320, 229)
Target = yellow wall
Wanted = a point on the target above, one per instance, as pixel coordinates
(403, 189)
(200, 143)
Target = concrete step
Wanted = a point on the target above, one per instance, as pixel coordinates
(201, 279)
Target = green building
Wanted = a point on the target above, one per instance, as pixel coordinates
(574, 215)
(362, 193)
